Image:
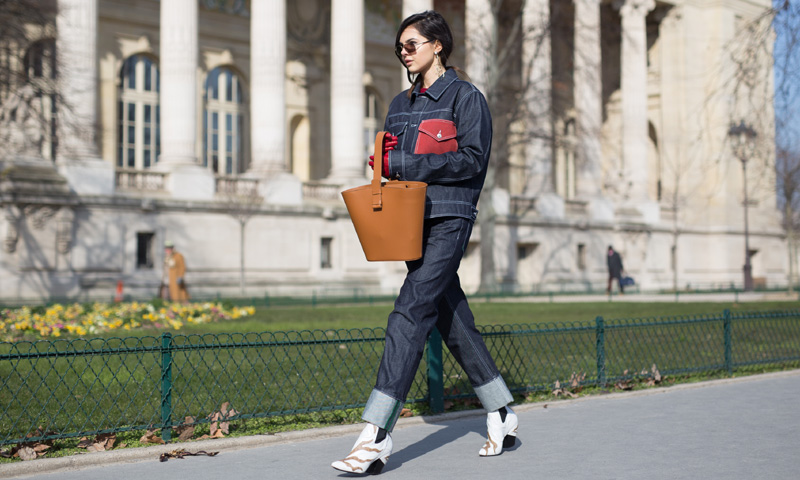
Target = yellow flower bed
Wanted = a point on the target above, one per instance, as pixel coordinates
(79, 320)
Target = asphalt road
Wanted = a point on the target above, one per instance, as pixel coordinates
(743, 428)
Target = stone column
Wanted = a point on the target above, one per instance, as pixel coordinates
(268, 86)
(347, 92)
(178, 69)
(76, 45)
(178, 101)
(588, 96)
(268, 104)
(410, 7)
(479, 33)
(537, 81)
(634, 94)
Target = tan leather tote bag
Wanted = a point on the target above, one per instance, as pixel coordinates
(387, 215)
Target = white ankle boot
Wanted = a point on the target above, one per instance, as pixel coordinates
(501, 434)
(366, 456)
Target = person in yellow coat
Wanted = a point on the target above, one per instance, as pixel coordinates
(175, 266)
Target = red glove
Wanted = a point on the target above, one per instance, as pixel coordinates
(390, 141)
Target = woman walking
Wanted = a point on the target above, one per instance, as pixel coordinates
(439, 132)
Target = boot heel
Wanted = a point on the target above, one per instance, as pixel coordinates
(509, 441)
(377, 466)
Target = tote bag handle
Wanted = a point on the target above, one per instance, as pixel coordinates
(377, 166)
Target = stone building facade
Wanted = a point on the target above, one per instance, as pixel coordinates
(230, 127)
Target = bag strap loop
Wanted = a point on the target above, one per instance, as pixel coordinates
(377, 166)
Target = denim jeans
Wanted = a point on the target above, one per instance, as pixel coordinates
(431, 296)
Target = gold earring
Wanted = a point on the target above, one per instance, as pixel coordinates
(439, 69)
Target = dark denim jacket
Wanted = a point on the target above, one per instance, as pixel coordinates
(451, 118)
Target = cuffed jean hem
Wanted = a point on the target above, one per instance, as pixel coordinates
(382, 410)
(494, 395)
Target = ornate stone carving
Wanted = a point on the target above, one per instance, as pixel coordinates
(64, 223)
(12, 217)
(634, 7)
(308, 21)
(21, 125)
(39, 214)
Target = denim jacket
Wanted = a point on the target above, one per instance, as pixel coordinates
(444, 138)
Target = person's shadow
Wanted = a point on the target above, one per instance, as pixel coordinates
(453, 430)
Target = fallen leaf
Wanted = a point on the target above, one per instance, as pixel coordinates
(214, 425)
(656, 374)
(40, 448)
(108, 438)
(180, 453)
(85, 442)
(152, 436)
(185, 430)
(27, 453)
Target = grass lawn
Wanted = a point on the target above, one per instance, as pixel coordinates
(492, 313)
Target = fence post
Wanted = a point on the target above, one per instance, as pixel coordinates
(435, 372)
(166, 386)
(726, 322)
(601, 351)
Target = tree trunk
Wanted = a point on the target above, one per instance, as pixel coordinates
(790, 241)
(241, 257)
(488, 219)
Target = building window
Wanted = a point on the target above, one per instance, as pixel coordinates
(40, 74)
(144, 250)
(526, 264)
(581, 256)
(224, 125)
(525, 250)
(325, 260)
(138, 114)
(373, 120)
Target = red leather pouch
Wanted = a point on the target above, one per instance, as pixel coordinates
(436, 136)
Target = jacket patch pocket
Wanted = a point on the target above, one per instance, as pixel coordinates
(436, 136)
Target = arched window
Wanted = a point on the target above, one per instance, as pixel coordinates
(138, 135)
(224, 126)
(40, 74)
(373, 119)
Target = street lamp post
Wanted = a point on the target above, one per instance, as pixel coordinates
(743, 141)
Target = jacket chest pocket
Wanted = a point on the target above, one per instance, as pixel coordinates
(436, 136)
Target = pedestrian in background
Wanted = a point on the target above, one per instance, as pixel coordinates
(439, 132)
(615, 270)
(175, 266)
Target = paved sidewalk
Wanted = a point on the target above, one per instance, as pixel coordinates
(745, 428)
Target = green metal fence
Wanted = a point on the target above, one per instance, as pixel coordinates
(73, 388)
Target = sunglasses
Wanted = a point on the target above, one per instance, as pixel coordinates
(409, 47)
